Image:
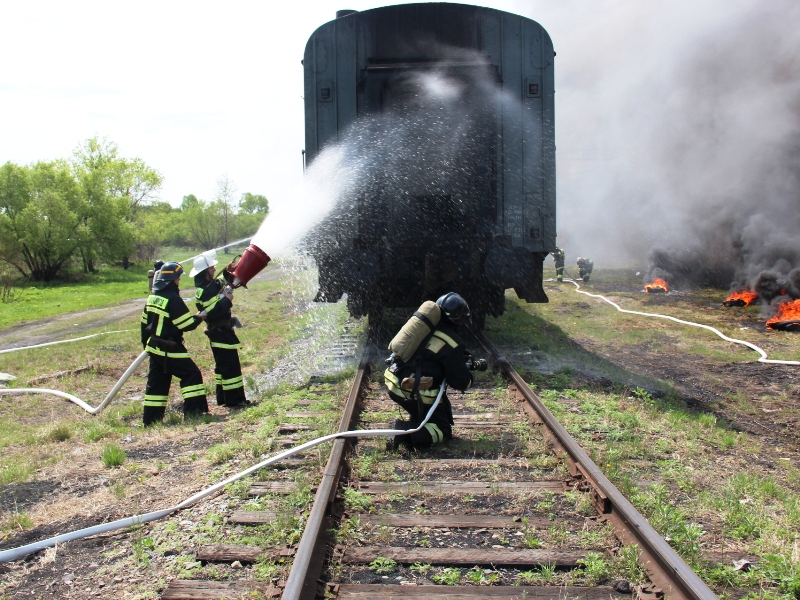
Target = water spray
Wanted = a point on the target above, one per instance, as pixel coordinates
(17, 553)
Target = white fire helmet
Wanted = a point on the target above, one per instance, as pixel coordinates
(205, 261)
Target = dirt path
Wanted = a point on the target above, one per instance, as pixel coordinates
(73, 324)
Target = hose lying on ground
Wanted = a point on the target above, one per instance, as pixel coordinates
(91, 410)
(17, 553)
(763, 354)
(86, 337)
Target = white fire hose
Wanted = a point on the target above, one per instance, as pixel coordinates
(88, 408)
(86, 337)
(215, 249)
(17, 553)
(763, 354)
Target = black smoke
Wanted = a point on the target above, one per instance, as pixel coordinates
(678, 133)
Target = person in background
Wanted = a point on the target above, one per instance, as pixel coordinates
(558, 259)
(585, 266)
(152, 273)
(164, 321)
(415, 385)
(214, 297)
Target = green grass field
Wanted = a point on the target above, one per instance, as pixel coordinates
(108, 287)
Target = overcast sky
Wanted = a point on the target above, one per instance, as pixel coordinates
(201, 90)
(196, 89)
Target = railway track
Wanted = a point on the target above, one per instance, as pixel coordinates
(511, 508)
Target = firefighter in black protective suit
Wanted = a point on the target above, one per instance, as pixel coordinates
(441, 356)
(164, 321)
(559, 259)
(216, 300)
(585, 266)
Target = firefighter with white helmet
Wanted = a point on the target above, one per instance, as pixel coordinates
(214, 297)
(164, 321)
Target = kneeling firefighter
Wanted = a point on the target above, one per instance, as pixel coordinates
(164, 320)
(214, 297)
(585, 266)
(426, 352)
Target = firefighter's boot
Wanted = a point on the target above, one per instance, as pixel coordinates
(152, 415)
(197, 405)
(397, 441)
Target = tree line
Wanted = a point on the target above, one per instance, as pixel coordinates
(99, 207)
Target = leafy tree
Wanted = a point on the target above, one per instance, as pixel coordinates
(189, 201)
(251, 204)
(204, 223)
(42, 214)
(225, 202)
(115, 189)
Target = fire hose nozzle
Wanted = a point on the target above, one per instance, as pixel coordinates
(477, 364)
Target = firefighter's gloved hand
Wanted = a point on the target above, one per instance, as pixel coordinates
(228, 292)
(235, 322)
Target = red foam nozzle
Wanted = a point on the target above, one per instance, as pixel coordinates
(253, 260)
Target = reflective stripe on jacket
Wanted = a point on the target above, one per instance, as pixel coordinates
(443, 357)
(166, 316)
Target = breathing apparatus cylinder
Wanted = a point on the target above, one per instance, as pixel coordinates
(416, 329)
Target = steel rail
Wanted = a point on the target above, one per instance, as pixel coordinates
(665, 568)
(307, 563)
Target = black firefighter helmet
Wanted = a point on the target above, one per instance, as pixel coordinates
(168, 272)
(454, 307)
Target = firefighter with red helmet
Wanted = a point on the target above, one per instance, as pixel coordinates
(164, 321)
(215, 298)
(415, 385)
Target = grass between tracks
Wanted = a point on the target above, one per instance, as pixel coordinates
(716, 493)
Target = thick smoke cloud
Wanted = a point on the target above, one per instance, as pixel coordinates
(678, 131)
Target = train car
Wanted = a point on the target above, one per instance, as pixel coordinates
(443, 117)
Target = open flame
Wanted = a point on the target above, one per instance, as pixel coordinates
(741, 298)
(787, 317)
(657, 286)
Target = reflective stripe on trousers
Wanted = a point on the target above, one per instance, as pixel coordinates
(155, 400)
(436, 434)
(192, 391)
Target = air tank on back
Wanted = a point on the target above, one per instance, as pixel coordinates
(445, 113)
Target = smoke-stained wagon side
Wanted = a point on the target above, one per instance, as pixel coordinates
(457, 190)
